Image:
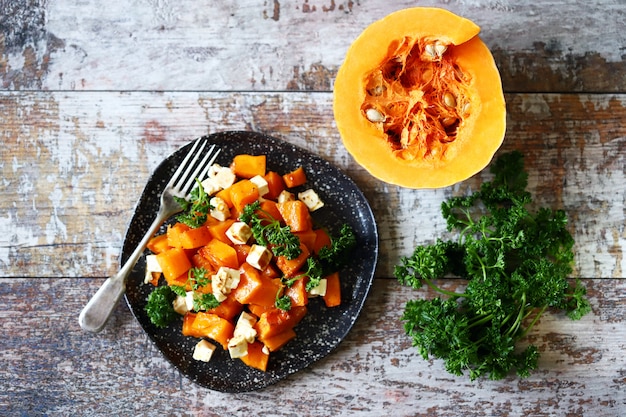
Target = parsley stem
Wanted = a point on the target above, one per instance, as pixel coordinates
(535, 320)
(442, 291)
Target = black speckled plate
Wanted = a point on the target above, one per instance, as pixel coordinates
(323, 328)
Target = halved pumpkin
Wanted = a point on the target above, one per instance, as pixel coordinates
(418, 101)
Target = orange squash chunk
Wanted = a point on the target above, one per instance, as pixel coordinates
(321, 239)
(248, 166)
(158, 244)
(295, 178)
(200, 261)
(174, 263)
(270, 207)
(225, 195)
(273, 343)
(175, 233)
(214, 327)
(275, 184)
(332, 298)
(220, 254)
(276, 321)
(228, 309)
(218, 230)
(258, 310)
(242, 252)
(254, 288)
(271, 271)
(242, 193)
(308, 238)
(296, 215)
(195, 237)
(188, 329)
(297, 293)
(290, 267)
(256, 358)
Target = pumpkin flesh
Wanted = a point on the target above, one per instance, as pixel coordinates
(425, 109)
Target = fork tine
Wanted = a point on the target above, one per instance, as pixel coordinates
(205, 171)
(202, 166)
(187, 175)
(176, 177)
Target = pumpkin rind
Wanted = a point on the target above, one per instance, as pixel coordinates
(478, 134)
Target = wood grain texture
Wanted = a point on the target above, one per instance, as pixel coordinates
(94, 96)
(582, 371)
(75, 163)
(554, 46)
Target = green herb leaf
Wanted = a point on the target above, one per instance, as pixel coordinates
(516, 264)
(203, 302)
(196, 209)
(267, 231)
(159, 307)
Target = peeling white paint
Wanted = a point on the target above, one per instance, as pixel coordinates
(55, 228)
(185, 47)
(14, 234)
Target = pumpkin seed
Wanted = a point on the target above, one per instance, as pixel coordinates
(377, 91)
(440, 49)
(430, 50)
(374, 115)
(449, 99)
(448, 121)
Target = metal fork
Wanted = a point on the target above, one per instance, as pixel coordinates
(96, 312)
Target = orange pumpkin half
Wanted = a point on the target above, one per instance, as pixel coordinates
(418, 100)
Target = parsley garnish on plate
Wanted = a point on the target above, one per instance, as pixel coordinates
(196, 209)
(159, 307)
(268, 231)
(516, 263)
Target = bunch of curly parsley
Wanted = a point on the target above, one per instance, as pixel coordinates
(516, 263)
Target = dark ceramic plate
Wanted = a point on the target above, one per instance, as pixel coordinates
(322, 329)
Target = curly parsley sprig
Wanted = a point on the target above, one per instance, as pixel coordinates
(329, 259)
(160, 309)
(268, 231)
(196, 209)
(516, 263)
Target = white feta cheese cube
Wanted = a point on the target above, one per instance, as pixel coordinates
(244, 327)
(180, 305)
(183, 304)
(148, 277)
(223, 282)
(259, 257)
(285, 196)
(320, 289)
(189, 300)
(203, 351)
(237, 347)
(224, 177)
(220, 210)
(311, 199)
(210, 186)
(152, 265)
(261, 184)
(239, 233)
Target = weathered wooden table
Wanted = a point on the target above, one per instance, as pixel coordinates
(94, 95)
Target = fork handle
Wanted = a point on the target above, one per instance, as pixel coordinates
(97, 311)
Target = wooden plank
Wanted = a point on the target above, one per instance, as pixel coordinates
(55, 369)
(554, 46)
(74, 164)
